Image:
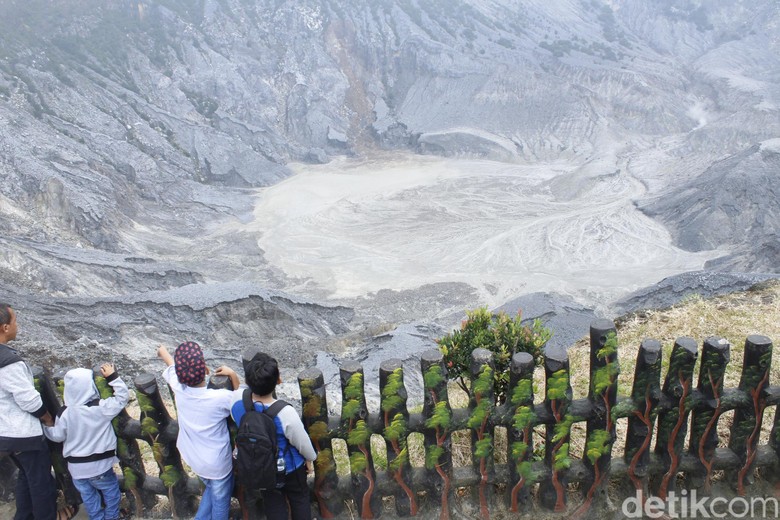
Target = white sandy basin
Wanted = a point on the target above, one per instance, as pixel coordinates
(354, 227)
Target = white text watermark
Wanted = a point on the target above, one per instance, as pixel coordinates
(689, 505)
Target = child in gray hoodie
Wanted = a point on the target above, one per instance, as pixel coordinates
(84, 424)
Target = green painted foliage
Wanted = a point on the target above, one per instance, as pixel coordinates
(318, 431)
(479, 414)
(484, 383)
(359, 435)
(170, 476)
(391, 399)
(523, 392)
(312, 405)
(432, 377)
(157, 452)
(604, 378)
(562, 429)
(357, 462)
(131, 479)
(623, 409)
(526, 470)
(396, 430)
(441, 417)
(609, 349)
(561, 458)
(325, 462)
(149, 427)
(519, 450)
(483, 447)
(306, 389)
(400, 460)
(354, 388)
(433, 455)
(752, 375)
(104, 389)
(144, 403)
(350, 409)
(122, 448)
(598, 444)
(523, 418)
(501, 335)
(558, 385)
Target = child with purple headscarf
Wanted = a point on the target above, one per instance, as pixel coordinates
(204, 440)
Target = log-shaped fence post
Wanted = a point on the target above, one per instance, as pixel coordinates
(160, 431)
(520, 431)
(747, 421)
(645, 394)
(552, 490)
(704, 420)
(481, 404)
(438, 427)
(672, 422)
(602, 393)
(395, 423)
(354, 424)
(51, 391)
(315, 419)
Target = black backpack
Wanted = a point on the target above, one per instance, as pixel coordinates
(257, 453)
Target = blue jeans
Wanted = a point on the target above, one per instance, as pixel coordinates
(91, 490)
(215, 502)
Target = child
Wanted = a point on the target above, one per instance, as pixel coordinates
(204, 440)
(262, 376)
(84, 424)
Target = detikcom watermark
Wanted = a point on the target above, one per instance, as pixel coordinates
(689, 505)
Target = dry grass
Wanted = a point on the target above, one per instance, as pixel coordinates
(734, 317)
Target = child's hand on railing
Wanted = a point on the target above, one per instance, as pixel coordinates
(106, 369)
(225, 370)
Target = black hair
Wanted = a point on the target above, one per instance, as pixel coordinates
(261, 374)
(5, 314)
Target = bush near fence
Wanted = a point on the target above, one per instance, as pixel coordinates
(657, 412)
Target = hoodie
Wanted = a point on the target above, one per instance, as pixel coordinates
(84, 424)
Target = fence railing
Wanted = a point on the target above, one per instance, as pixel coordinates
(429, 483)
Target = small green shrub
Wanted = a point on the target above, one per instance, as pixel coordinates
(498, 333)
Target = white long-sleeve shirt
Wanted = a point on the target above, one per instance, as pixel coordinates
(204, 440)
(20, 405)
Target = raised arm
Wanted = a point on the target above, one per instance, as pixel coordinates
(111, 406)
(163, 354)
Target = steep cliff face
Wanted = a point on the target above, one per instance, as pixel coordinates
(125, 97)
(128, 127)
(735, 204)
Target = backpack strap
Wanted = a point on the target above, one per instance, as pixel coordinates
(276, 407)
(246, 398)
(273, 411)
